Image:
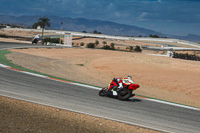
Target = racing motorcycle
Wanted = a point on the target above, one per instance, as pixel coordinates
(35, 41)
(123, 94)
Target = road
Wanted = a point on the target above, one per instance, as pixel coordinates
(136, 111)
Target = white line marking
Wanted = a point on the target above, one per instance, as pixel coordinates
(174, 104)
(38, 75)
(1, 65)
(88, 86)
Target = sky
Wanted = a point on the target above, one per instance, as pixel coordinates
(176, 17)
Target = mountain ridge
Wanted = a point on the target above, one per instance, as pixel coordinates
(89, 25)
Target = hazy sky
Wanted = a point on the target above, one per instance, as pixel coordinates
(178, 17)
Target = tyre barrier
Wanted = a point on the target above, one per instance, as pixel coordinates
(185, 56)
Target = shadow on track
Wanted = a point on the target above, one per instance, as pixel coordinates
(129, 100)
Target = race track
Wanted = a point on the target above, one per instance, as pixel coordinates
(137, 111)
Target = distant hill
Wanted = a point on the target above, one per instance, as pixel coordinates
(82, 24)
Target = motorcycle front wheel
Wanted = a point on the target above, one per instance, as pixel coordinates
(102, 92)
(125, 94)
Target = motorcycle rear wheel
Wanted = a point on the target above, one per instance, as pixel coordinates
(125, 95)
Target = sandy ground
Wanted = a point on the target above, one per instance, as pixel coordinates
(23, 117)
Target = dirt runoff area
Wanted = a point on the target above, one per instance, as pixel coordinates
(23, 117)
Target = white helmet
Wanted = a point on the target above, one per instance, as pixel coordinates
(129, 77)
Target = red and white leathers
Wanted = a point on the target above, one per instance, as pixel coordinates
(120, 83)
(124, 81)
(127, 81)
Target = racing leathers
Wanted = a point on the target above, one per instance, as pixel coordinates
(122, 81)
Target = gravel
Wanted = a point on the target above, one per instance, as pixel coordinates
(22, 117)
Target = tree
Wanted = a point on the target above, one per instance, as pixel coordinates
(34, 26)
(154, 36)
(95, 32)
(97, 42)
(104, 42)
(82, 44)
(106, 47)
(91, 45)
(43, 21)
(112, 46)
(130, 48)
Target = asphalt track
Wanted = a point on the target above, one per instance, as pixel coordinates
(136, 111)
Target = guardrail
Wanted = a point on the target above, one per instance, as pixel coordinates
(170, 48)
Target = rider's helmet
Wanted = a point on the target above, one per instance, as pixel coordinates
(129, 77)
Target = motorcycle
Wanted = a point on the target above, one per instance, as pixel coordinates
(123, 94)
(35, 41)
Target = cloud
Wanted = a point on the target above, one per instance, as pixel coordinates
(142, 16)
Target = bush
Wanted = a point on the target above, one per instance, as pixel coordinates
(106, 47)
(154, 36)
(3, 35)
(91, 45)
(130, 48)
(138, 49)
(97, 42)
(104, 42)
(112, 46)
(82, 44)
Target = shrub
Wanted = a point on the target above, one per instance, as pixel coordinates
(82, 44)
(154, 36)
(138, 49)
(3, 35)
(97, 42)
(104, 42)
(131, 48)
(112, 46)
(106, 47)
(91, 45)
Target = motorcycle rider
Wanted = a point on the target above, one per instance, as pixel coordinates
(120, 81)
(36, 39)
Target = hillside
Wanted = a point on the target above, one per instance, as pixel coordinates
(82, 24)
